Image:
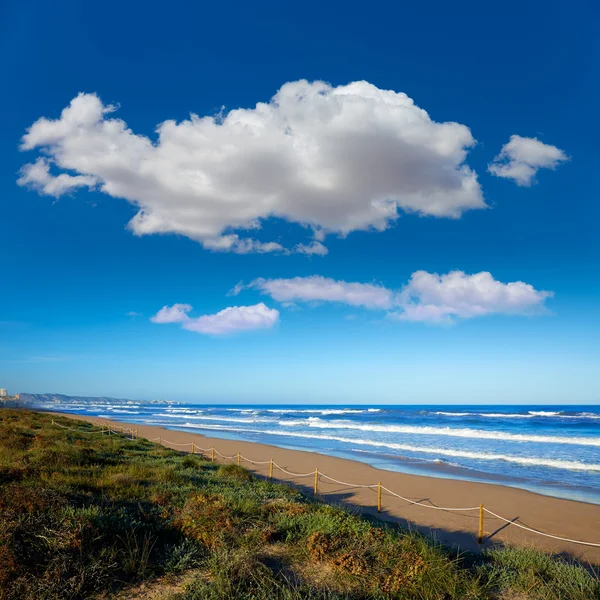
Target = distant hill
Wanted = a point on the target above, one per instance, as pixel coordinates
(37, 399)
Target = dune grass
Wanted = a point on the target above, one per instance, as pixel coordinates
(84, 515)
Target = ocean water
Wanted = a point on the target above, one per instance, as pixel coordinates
(551, 450)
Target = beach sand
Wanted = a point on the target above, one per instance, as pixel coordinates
(564, 518)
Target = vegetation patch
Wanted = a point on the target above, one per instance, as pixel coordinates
(84, 515)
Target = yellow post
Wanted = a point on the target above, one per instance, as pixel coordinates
(193, 448)
(316, 481)
(271, 470)
(238, 459)
(480, 537)
(52, 421)
(212, 454)
(379, 496)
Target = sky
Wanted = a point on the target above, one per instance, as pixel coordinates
(298, 202)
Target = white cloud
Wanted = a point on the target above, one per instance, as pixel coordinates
(444, 298)
(315, 247)
(521, 158)
(37, 176)
(228, 320)
(178, 313)
(426, 297)
(333, 159)
(323, 289)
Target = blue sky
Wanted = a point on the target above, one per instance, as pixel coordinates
(388, 202)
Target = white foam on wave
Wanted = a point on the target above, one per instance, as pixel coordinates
(569, 465)
(445, 431)
(208, 418)
(529, 415)
(322, 411)
(119, 410)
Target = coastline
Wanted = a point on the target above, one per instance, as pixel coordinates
(565, 518)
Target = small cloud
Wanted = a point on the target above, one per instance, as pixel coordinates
(133, 314)
(521, 158)
(228, 320)
(239, 287)
(313, 248)
(172, 314)
(442, 299)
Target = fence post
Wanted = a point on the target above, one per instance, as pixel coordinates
(379, 496)
(193, 448)
(271, 469)
(212, 454)
(160, 440)
(238, 459)
(480, 537)
(316, 481)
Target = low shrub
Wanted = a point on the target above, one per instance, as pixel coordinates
(83, 515)
(235, 472)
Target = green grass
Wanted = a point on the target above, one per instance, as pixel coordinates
(84, 515)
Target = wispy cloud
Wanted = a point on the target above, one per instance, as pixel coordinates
(427, 297)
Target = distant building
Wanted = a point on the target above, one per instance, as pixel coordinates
(3, 393)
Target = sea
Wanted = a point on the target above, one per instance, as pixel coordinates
(552, 450)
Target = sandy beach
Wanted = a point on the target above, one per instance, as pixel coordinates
(563, 518)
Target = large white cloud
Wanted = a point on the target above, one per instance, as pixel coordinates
(444, 298)
(522, 157)
(334, 159)
(228, 320)
(323, 289)
(426, 297)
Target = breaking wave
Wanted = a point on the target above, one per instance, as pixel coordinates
(570, 465)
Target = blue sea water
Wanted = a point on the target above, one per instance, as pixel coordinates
(552, 450)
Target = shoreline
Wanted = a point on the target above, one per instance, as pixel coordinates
(410, 466)
(571, 519)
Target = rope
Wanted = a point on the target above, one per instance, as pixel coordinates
(255, 462)
(75, 430)
(225, 457)
(175, 444)
(355, 485)
(428, 505)
(555, 537)
(294, 474)
(348, 484)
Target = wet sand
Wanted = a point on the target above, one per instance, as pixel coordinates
(563, 518)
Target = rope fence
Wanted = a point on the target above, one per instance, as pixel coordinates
(132, 434)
